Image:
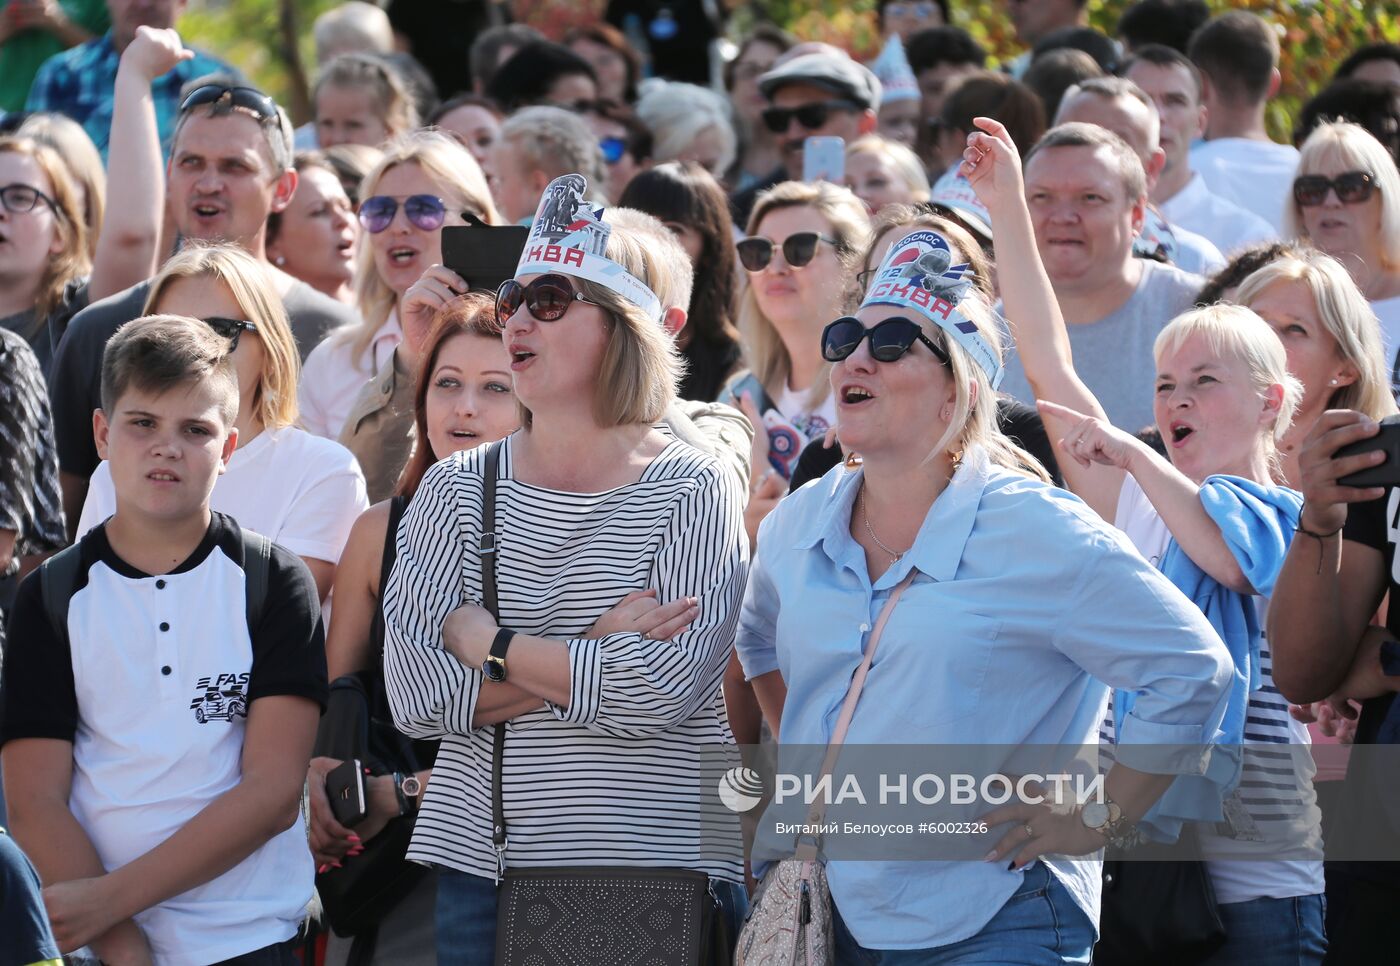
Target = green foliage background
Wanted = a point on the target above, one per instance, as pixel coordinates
(1315, 34)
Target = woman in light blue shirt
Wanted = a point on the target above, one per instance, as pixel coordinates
(1025, 608)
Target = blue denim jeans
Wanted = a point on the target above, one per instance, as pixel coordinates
(278, 954)
(1273, 932)
(1040, 925)
(466, 916)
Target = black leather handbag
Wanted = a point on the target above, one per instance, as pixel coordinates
(1158, 913)
(591, 914)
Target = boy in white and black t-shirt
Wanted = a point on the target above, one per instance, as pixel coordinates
(155, 744)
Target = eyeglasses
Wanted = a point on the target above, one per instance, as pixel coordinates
(231, 329)
(889, 340)
(547, 297)
(425, 212)
(755, 252)
(613, 149)
(248, 98)
(19, 198)
(1353, 187)
(810, 116)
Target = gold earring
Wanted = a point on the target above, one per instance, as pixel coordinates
(853, 461)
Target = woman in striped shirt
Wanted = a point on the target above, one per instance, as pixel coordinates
(603, 755)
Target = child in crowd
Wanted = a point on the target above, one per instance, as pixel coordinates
(162, 684)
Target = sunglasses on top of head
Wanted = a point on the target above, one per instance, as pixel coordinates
(1352, 187)
(424, 212)
(230, 329)
(248, 98)
(889, 340)
(810, 116)
(547, 297)
(756, 252)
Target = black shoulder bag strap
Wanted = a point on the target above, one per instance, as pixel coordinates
(257, 562)
(487, 546)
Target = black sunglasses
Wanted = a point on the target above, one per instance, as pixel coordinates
(810, 116)
(889, 340)
(425, 212)
(1353, 187)
(249, 98)
(755, 252)
(231, 329)
(547, 297)
(19, 198)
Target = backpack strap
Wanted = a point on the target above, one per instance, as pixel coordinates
(58, 581)
(257, 563)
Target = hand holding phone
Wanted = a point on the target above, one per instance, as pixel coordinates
(1386, 473)
(345, 787)
(824, 159)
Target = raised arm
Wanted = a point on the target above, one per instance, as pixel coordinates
(993, 167)
(126, 248)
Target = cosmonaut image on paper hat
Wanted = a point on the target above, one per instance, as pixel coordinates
(918, 273)
(569, 237)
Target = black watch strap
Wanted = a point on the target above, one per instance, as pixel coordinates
(502, 643)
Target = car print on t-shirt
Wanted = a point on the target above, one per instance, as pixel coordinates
(222, 697)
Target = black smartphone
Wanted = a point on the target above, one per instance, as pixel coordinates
(345, 787)
(1383, 474)
(484, 255)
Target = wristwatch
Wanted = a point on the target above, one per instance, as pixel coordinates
(1107, 818)
(407, 789)
(494, 667)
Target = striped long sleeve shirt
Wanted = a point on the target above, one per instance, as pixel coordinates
(615, 778)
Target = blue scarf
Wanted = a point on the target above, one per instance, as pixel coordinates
(1256, 521)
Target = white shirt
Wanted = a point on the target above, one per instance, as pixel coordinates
(332, 376)
(1195, 253)
(298, 490)
(1255, 174)
(1230, 227)
(1388, 314)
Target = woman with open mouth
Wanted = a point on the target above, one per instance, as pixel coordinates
(1214, 517)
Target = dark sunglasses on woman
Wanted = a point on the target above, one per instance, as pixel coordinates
(613, 149)
(889, 340)
(810, 116)
(755, 252)
(547, 297)
(231, 329)
(425, 212)
(1352, 187)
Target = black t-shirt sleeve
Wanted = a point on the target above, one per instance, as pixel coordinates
(39, 696)
(1366, 524)
(289, 645)
(1023, 424)
(813, 462)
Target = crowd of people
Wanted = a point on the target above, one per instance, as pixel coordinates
(1070, 388)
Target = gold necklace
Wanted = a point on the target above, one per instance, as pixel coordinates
(865, 518)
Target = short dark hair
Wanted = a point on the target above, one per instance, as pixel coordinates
(606, 35)
(1371, 104)
(1238, 51)
(1169, 23)
(159, 353)
(1162, 56)
(943, 45)
(639, 137)
(1241, 265)
(1077, 134)
(996, 96)
(1096, 44)
(1366, 54)
(1053, 73)
(484, 55)
(532, 70)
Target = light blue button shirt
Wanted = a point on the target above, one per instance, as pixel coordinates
(1025, 609)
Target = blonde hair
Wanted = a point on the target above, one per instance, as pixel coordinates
(455, 171)
(67, 137)
(274, 400)
(768, 358)
(1348, 319)
(641, 365)
(1233, 330)
(905, 162)
(678, 113)
(672, 277)
(1355, 147)
(74, 261)
(393, 104)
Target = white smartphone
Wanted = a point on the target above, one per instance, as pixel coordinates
(824, 159)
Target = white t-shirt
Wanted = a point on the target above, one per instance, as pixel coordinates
(1275, 740)
(812, 422)
(1255, 174)
(1388, 313)
(298, 490)
(332, 376)
(1197, 208)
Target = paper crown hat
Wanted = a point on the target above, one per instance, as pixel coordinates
(569, 237)
(918, 273)
(955, 193)
(897, 78)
